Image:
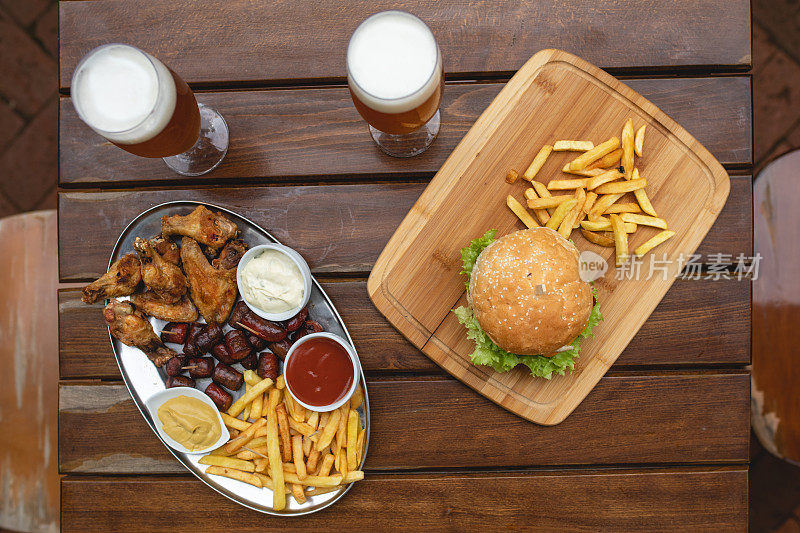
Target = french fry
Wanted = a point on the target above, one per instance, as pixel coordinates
(341, 431)
(239, 405)
(301, 427)
(267, 482)
(323, 421)
(280, 383)
(621, 187)
(313, 459)
(357, 398)
(314, 481)
(362, 435)
(307, 445)
(257, 406)
(326, 465)
(537, 162)
(330, 430)
(297, 456)
(585, 173)
(522, 213)
(596, 238)
(620, 240)
(566, 185)
(353, 427)
(653, 242)
(573, 146)
(604, 224)
(313, 417)
(627, 148)
(546, 203)
(591, 197)
(220, 451)
(608, 160)
(238, 475)
(561, 212)
(511, 176)
(542, 214)
(250, 454)
(275, 462)
(283, 431)
(316, 491)
(565, 229)
(602, 203)
(605, 177)
(275, 396)
(530, 194)
(355, 475)
(585, 159)
(627, 207)
(234, 423)
(641, 197)
(289, 401)
(246, 411)
(251, 378)
(261, 464)
(644, 220)
(298, 493)
(289, 468)
(246, 436)
(342, 467)
(639, 141)
(234, 433)
(227, 462)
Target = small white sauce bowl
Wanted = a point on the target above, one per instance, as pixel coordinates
(296, 258)
(156, 400)
(353, 359)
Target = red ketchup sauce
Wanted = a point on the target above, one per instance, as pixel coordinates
(319, 372)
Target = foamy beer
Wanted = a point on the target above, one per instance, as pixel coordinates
(137, 103)
(394, 71)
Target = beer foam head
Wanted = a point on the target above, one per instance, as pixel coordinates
(393, 62)
(123, 93)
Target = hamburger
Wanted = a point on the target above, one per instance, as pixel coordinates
(527, 302)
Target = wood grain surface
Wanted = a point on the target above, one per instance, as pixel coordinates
(417, 279)
(671, 499)
(318, 133)
(705, 414)
(339, 229)
(215, 41)
(708, 321)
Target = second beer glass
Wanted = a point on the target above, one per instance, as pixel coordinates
(394, 71)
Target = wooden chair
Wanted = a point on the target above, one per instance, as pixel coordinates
(29, 483)
(775, 388)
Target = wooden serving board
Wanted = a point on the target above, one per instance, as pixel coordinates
(416, 282)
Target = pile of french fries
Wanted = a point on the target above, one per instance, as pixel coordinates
(278, 444)
(602, 176)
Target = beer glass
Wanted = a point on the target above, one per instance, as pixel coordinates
(394, 72)
(137, 103)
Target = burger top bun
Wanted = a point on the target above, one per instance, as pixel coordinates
(526, 292)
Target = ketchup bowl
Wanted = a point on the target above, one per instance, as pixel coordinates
(321, 371)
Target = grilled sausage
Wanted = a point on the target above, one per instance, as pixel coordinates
(227, 377)
(257, 343)
(267, 366)
(294, 323)
(250, 362)
(280, 348)
(261, 327)
(175, 365)
(207, 338)
(179, 381)
(175, 332)
(189, 347)
(236, 342)
(237, 314)
(219, 396)
(221, 354)
(200, 367)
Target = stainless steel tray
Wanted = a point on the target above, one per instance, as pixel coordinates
(143, 379)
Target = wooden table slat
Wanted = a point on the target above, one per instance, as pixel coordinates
(704, 414)
(708, 321)
(318, 133)
(670, 499)
(337, 228)
(225, 41)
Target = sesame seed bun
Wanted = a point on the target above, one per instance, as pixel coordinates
(527, 294)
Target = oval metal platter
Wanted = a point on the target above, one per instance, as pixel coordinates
(143, 379)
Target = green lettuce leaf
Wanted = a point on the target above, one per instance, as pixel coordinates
(489, 354)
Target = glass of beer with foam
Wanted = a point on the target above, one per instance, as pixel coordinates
(394, 72)
(137, 103)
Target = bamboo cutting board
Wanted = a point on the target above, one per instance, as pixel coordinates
(416, 282)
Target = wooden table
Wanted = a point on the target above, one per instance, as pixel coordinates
(662, 442)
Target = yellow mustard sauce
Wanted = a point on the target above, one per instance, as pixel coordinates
(190, 422)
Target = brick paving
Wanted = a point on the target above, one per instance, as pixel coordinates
(29, 166)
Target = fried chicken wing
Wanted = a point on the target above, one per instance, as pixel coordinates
(167, 249)
(121, 280)
(150, 304)
(211, 229)
(127, 324)
(162, 277)
(213, 290)
(230, 256)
